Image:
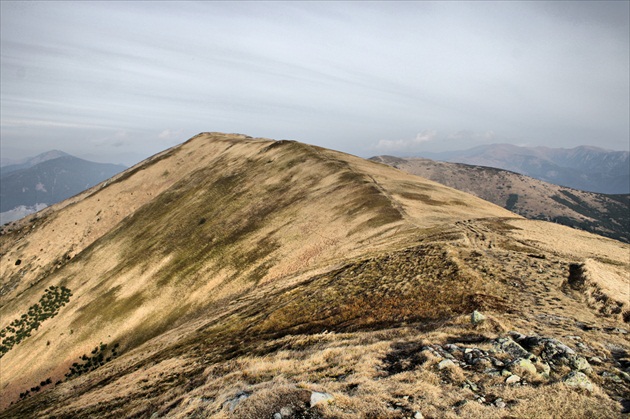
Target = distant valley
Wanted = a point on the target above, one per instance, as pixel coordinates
(608, 215)
(46, 179)
(585, 168)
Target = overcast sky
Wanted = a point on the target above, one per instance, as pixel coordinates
(119, 81)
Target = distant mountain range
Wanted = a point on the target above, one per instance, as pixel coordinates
(48, 178)
(8, 165)
(585, 168)
(607, 215)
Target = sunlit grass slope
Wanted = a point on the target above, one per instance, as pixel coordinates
(205, 270)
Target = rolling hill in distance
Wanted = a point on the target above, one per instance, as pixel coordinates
(608, 215)
(233, 276)
(47, 179)
(584, 168)
(8, 166)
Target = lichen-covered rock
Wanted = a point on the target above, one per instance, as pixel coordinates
(579, 380)
(512, 379)
(525, 364)
(512, 348)
(318, 397)
(446, 363)
(581, 364)
(477, 318)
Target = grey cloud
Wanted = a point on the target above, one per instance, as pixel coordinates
(342, 75)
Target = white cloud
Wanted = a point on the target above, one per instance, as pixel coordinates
(120, 138)
(407, 144)
(169, 134)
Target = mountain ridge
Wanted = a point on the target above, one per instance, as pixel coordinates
(607, 215)
(585, 168)
(196, 278)
(31, 161)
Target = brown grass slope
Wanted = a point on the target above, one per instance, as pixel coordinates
(607, 215)
(233, 266)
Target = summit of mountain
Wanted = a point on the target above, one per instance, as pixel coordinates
(233, 276)
(13, 165)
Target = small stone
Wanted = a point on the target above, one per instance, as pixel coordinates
(469, 384)
(505, 373)
(499, 403)
(595, 360)
(625, 376)
(317, 398)
(277, 415)
(234, 402)
(451, 347)
(477, 318)
(578, 379)
(286, 411)
(447, 363)
(418, 415)
(497, 362)
(512, 379)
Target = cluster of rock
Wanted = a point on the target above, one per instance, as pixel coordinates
(514, 360)
(519, 358)
(289, 411)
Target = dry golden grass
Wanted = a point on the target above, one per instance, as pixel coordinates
(278, 269)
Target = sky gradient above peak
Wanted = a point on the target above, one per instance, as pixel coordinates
(119, 81)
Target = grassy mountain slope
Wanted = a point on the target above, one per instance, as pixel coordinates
(233, 276)
(608, 215)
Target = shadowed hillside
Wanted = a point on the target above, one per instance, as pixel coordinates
(608, 215)
(240, 277)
